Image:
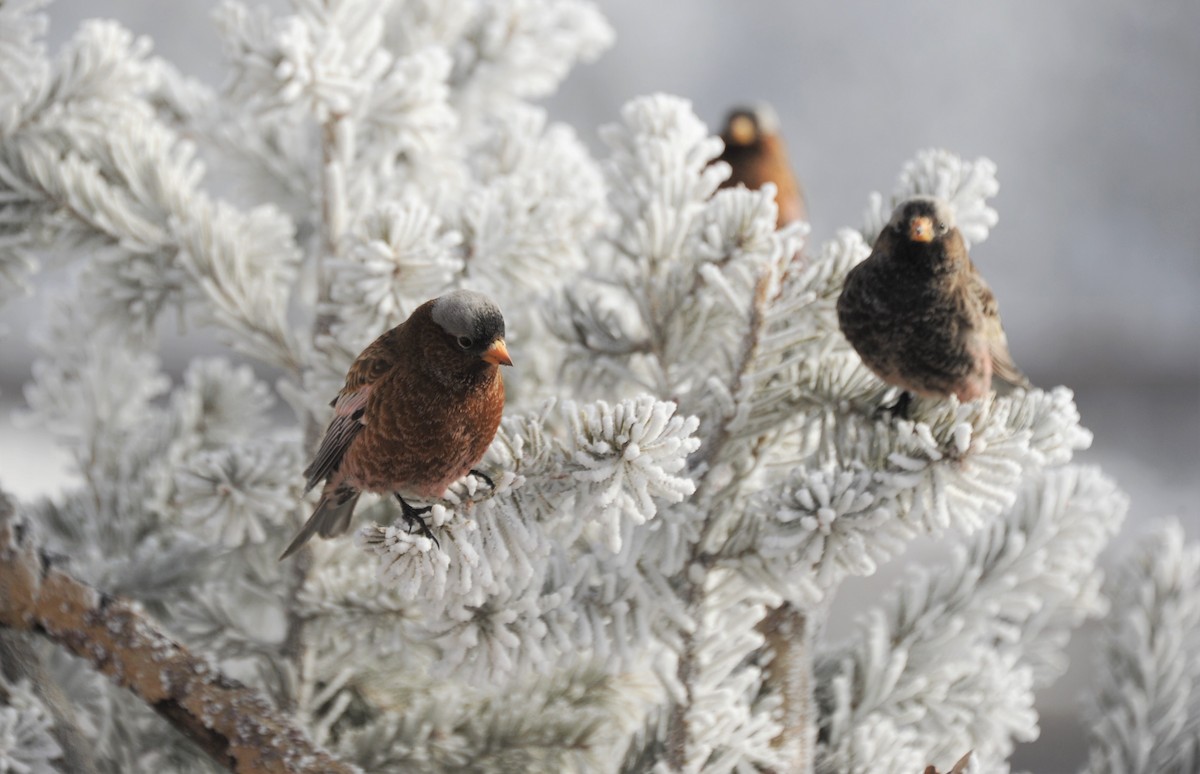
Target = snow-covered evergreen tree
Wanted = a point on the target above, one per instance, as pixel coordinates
(690, 464)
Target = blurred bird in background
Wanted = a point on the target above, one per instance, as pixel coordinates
(919, 314)
(419, 409)
(755, 151)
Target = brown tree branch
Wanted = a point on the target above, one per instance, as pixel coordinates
(230, 722)
(788, 636)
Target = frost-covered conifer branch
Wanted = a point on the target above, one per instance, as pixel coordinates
(37, 722)
(973, 636)
(688, 266)
(777, 376)
(855, 505)
(580, 500)
(87, 161)
(1145, 708)
(229, 721)
(514, 49)
(22, 52)
(578, 720)
(27, 730)
(711, 465)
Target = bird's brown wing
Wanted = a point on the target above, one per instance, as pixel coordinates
(375, 361)
(993, 332)
(350, 405)
(349, 408)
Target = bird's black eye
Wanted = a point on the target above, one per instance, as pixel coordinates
(465, 342)
(941, 227)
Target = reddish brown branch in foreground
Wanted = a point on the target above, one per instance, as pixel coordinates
(232, 723)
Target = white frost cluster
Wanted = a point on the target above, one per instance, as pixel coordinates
(823, 525)
(402, 254)
(237, 493)
(626, 457)
(967, 185)
(660, 177)
(222, 403)
(22, 67)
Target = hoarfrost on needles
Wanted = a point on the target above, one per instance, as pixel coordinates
(690, 448)
(27, 743)
(1145, 707)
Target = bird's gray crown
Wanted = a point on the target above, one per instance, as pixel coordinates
(931, 206)
(767, 118)
(467, 313)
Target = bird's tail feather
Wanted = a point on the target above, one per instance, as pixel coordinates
(331, 517)
(1007, 377)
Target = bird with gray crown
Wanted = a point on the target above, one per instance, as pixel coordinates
(418, 411)
(756, 154)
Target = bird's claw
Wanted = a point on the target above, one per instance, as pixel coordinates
(487, 479)
(412, 516)
(899, 409)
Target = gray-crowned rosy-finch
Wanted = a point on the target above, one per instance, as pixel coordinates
(420, 407)
(756, 153)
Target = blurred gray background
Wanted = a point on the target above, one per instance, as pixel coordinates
(1090, 108)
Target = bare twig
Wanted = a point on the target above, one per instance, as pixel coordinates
(788, 635)
(678, 730)
(230, 722)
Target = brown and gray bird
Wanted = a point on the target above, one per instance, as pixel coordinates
(420, 407)
(755, 151)
(918, 313)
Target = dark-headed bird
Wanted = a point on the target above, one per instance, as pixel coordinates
(919, 314)
(755, 151)
(420, 407)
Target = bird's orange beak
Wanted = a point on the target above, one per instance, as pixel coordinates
(920, 229)
(741, 130)
(497, 354)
